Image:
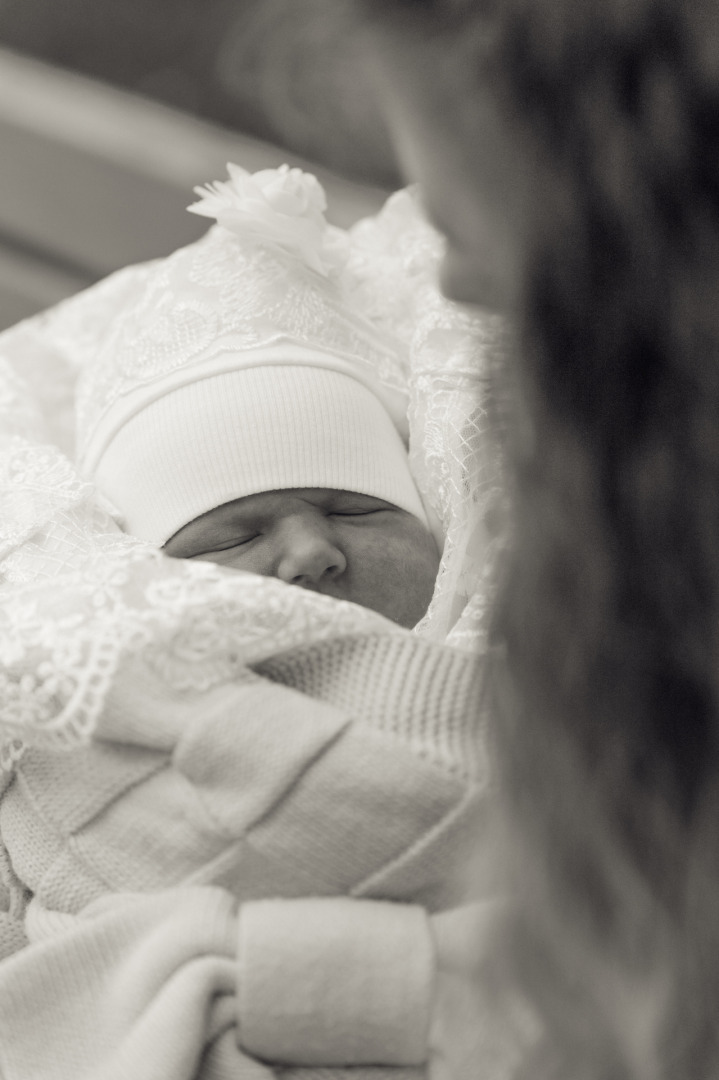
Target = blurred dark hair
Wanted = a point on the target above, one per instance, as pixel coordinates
(608, 624)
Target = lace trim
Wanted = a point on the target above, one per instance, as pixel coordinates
(192, 304)
(455, 460)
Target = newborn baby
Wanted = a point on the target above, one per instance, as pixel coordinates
(341, 543)
(239, 866)
(264, 435)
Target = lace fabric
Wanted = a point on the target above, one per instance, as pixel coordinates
(394, 259)
(223, 292)
(77, 595)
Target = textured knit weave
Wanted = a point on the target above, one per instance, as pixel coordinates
(293, 782)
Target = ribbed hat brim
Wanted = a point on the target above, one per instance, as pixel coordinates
(242, 432)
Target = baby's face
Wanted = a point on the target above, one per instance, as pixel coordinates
(354, 547)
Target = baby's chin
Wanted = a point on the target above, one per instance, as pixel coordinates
(407, 613)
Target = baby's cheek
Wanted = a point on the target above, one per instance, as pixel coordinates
(396, 574)
(420, 549)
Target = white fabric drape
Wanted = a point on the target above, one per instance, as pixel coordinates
(77, 594)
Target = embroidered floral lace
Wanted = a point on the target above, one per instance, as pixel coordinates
(77, 595)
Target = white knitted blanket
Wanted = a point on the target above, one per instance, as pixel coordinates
(350, 768)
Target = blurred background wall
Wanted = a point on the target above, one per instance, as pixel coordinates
(111, 110)
(285, 70)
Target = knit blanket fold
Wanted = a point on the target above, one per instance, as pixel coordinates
(304, 778)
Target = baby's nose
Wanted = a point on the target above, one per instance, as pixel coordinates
(309, 557)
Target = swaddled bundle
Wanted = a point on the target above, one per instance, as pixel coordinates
(252, 743)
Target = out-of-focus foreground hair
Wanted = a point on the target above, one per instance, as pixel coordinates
(609, 712)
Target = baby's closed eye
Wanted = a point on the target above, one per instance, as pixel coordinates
(211, 547)
(355, 513)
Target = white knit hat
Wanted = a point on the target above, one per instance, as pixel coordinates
(237, 365)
